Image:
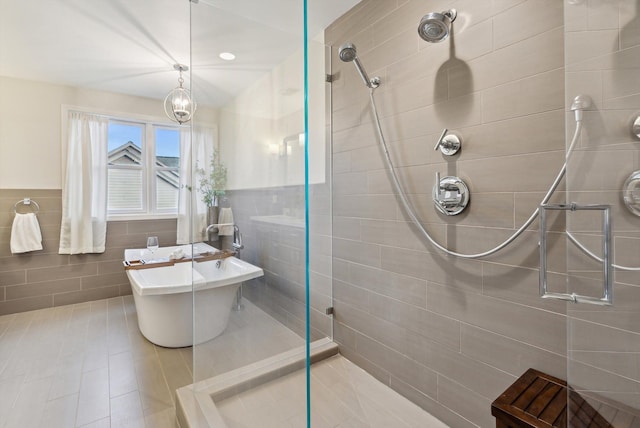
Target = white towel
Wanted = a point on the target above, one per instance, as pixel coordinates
(25, 234)
(225, 216)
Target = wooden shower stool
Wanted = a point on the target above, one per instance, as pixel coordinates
(539, 400)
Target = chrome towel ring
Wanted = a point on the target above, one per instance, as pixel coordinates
(27, 202)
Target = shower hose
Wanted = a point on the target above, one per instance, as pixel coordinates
(410, 212)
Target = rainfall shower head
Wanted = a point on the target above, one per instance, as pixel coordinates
(347, 53)
(435, 27)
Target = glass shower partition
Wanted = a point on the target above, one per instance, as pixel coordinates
(602, 61)
(252, 121)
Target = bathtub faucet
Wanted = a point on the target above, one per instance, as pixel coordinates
(237, 238)
(216, 226)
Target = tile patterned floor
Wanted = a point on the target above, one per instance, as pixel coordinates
(343, 396)
(87, 365)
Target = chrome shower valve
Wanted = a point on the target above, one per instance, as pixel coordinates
(449, 144)
(450, 195)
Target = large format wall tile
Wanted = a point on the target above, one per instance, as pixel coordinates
(499, 83)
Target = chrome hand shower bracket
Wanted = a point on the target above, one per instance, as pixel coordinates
(375, 82)
(449, 144)
(450, 195)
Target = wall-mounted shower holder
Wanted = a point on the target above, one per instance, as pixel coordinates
(449, 144)
(450, 195)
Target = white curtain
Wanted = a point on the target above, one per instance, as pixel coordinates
(196, 149)
(84, 195)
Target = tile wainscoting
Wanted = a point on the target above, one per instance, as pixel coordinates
(43, 279)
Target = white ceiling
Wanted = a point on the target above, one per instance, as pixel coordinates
(130, 46)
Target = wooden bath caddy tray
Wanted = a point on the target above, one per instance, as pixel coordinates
(203, 257)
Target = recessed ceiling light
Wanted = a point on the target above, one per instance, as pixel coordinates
(227, 56)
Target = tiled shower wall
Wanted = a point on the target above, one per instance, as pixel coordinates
(43, 279)
(450, 334)
(279, 249)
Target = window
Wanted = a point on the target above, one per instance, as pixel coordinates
(143, 168)
(167, 168)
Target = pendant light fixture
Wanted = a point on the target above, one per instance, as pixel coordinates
(178, 104)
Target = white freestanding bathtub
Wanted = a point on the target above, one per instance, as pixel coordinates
(165, 296)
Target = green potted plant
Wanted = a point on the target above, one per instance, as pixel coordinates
(212, 186)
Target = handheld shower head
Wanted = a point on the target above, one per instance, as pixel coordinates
(435, 27)
(347, 53)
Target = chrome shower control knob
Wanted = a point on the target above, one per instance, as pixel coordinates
(635, 127)
(450, 195)
(631, 193)
(449, 144)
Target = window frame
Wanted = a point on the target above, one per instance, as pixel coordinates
(144, 162)
(149, 169)
(154, 169)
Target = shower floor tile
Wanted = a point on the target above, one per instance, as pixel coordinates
(342, 396)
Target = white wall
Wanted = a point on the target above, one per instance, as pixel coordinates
(254, 125)
(31, 146)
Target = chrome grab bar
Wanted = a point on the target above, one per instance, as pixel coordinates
(607, 293)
